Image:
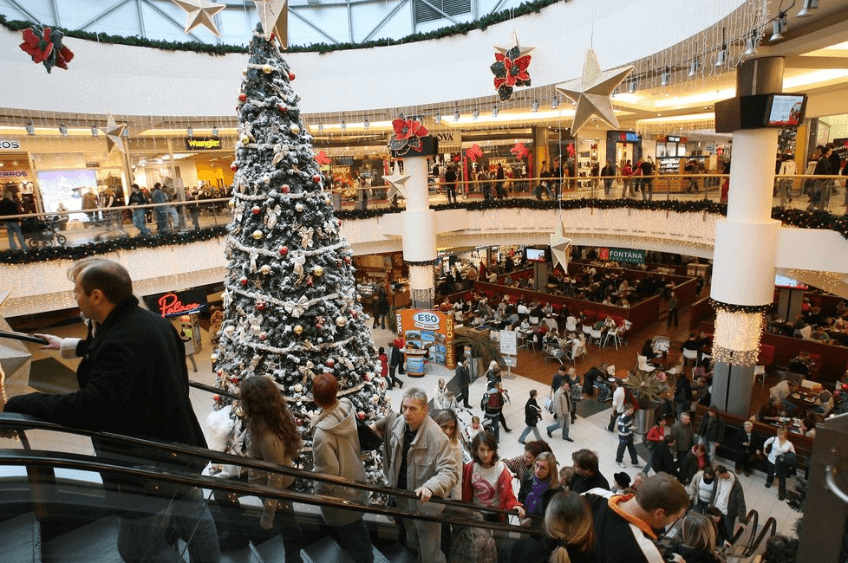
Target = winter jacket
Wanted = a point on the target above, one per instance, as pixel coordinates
(547, 495)
(662, 460)
(336, 452)
(689, 466)
(736, 507)
(507, 495)
(684, 435)
(562, 403)
(695, 485)
(712, 429)
(532, 412)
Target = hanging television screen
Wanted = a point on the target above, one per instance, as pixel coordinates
(786, 110)
(535, 255)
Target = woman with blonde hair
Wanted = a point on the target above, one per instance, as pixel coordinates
(538, 488)
(569, 530)
(697, 540)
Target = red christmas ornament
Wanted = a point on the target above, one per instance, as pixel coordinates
(284, 250)
(367, 376)
(354, 314)
(316, 178)
(234, 379)
(360, 415)
(285, 188)
(283, 108)
(45, 47)
(256, 210)
(309, 281)
(242, 97)
(234, 166)
(291, 76)
(216, 398)
(347, 259)
(330, 363)
(260, 305)
(243, 280)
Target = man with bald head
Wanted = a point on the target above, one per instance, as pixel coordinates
(133, 381)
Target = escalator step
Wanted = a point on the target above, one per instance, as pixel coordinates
(326, 550)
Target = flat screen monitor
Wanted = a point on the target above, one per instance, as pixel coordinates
(786, 110)
(788, 283)
(535, 255)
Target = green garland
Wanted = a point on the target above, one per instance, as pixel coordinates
(790, 217)
(525, 8)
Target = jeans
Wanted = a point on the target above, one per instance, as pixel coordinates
(139, 222)
(161, 219)
(13, 229)
(285, 524)
(711, 447)
(355, 541)
(631, 448)
(564, 422)
(493, 421)
(649, 193)
(421, 535)
(173, 217)
(603, 391)
(146, 538)
(527, 431)
(607, 187)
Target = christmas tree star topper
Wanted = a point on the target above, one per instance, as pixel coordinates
(592, 92)
(274, 16)
(113, 133)
(200, 12)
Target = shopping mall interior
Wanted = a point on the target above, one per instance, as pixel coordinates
(528, 198)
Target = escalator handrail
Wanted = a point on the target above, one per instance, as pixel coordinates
(769, 526)
(211, 389)
(21, 422)
(749, 527)
(63, 460)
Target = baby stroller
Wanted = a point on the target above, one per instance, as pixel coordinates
(41, 233)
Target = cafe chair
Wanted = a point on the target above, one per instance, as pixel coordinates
(690, 355)
(597, 336)
(587, 330)
(764, 361)
(534, 321)
(554, 353)
(643, 364)
(615, 335)
(571, 324)
(577, 349)
(551, 324)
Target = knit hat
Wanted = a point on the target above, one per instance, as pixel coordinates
(622, 479)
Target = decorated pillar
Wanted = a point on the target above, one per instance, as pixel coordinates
(412, 143)
(746, 241)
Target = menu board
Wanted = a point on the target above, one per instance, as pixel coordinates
(786, 110)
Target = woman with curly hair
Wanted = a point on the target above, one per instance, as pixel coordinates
(272, 436)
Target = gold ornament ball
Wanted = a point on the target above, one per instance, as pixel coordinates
(267, 69)
(257, 234)
(245, 139)
(295, 129)
(231, 204)
(298, 329)
(266, 269)
(299, 207)
(244, 71)
(341, 321)
(213, 357)
(318, 270)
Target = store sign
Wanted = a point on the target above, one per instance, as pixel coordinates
(449, 139)
(622, 255)
(424, 329)
(629, 137)
(203, 144)
(177, 302)
(14, 174)
(9, 145)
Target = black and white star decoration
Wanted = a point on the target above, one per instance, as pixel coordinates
(200, 12)
(592, 92)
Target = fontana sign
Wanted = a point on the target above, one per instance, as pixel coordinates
(623, 255)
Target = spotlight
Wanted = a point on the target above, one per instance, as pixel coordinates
(475, 114)
(30, 129)
(366, 124)
(693, 68)
(778, 27)
(63, 130)
(666, 77)
(456, 115)
(320, 126)
(214, 131)
(190, 131)
(535, 106)
(95, 131)
(807, 8)
(438, 117)
(343, 125)
(631, 87)
(721, 58)
(495, 110)
(750, 44)
(126, 133)
(555, 102)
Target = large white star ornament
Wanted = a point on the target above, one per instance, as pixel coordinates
(522, 50)
(113, 133)
(274, 15)
(559, 247)
(592, 92)
(398, 182)
(200, 12)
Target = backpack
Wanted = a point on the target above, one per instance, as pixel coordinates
(576, 393)
(490, 401)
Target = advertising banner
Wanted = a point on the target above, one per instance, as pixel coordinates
(622, 255)
(177, 302)
(425, 329)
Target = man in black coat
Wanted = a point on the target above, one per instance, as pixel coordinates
(587, 476)
(662, 458)
(133, 380)
(463, 379)
(748, 445)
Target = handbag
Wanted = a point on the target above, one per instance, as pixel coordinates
(368, 439)
(767, 449)
(549, 405)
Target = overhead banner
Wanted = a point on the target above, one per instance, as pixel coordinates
(427, 329)
(622, 255)
(176, 303)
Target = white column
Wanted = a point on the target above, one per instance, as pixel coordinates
(419, 233)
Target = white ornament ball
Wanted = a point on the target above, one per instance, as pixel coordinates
(318, 270)
(266, 179)
(267, 69)
(298, 388)
(341, 321)
(265, 269)
(244, 71)
(231, 204)
(257, 234)
(213, 357)
(295, 129)
(388, 399)
(375, 399)
(298, 329)
(298, 207)
(229, 331)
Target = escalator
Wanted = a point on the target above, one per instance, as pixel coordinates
(60, 506)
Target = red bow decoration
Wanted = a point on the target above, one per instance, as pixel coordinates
(510, 70)
(322, 158)
(407, 136)
(474, 152)
(45, 46)
(570, 150)
(519, 150)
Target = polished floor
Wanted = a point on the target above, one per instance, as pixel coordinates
(532, 372)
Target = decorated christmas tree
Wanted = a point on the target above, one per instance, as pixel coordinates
(290, 305)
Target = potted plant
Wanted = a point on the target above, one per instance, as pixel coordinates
(648, 388)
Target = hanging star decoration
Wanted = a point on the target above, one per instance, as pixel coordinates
(510, 68)
(474, 152)
(45, 46)
(519, 150)
(322, 158)
(592, 92)
(559, 247)
(274, 16)
(200, 12)
(398, 182)
(407, 136)
(113, 133)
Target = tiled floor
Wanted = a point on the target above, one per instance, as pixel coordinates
(587, 432)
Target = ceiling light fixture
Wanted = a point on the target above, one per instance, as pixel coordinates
(535, 106)
(214, 131)
(631, 87)
(495, 110)
(555, 102)
(666, 77)
(693, 68)
(125, 133)
(456, 115)
(721, 58)
(476, 113)
(778, 27)
(438, 117)
(95, 132)
(30, 129)
(190, 131)
(63, 130)
(807, 8)
(751, 44)
(343, 125)
(366, 124)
